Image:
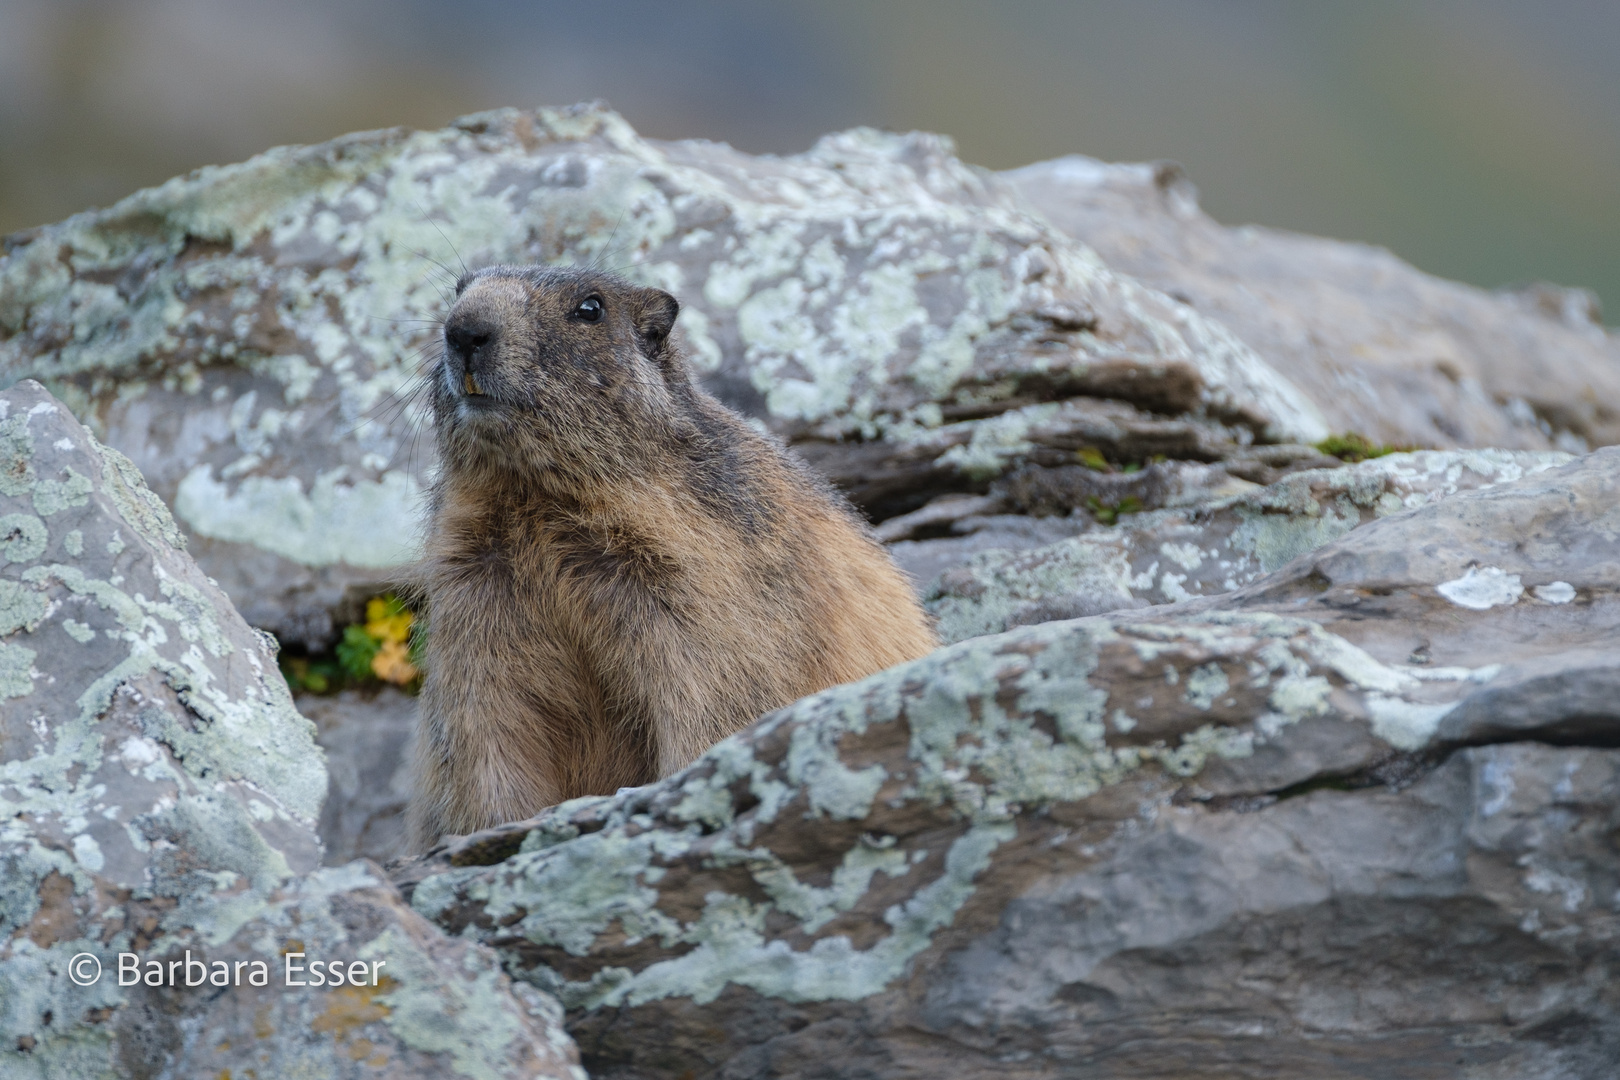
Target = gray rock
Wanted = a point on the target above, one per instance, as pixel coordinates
(412, 1003)
(1199, 550)
(1328, 789)
(1002, 521)
(246, 333)
(1382, 349)
(926, 560)
(367, 741)
(1286, 831)
(158, 798)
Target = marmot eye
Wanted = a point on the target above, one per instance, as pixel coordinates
(590, 309)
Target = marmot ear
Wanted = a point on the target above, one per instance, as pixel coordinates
(655, 316)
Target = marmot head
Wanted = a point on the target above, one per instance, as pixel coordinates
(557, 369)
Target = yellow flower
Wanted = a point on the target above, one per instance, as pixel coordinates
(393, 661)
(387, 621)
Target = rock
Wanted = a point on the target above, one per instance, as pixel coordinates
(1202, 549)
(413, 1003)
(1382, 349)
(1063, 490)
(367, 743)
(925, 560)
(245, 334)
(158, 798)
(1242, 760)
(1352, 819)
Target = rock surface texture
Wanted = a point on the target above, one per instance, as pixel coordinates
(1381, 348)
(1211, 547)
(249, 334)
(1355, 819)
(1240, 761)
(367, 743)
(158, 797)
(245, 334)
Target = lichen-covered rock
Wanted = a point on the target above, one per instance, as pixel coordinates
(1381, 348)
(158, 798)
(1311, 827)
(242, 332)
(1204, 549)
(411, 1003)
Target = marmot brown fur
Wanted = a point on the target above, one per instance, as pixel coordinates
(619, 571)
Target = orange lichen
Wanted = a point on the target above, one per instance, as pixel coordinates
(352, 1007)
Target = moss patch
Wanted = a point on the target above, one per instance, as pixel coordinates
(1351, 447)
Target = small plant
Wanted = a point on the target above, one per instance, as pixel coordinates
(388, 623)
(1352, 448)
(379, 650)
(1108, 513)
(1092, 458)
(356, 651)
(314, 675)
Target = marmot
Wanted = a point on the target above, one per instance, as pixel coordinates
(618, 570)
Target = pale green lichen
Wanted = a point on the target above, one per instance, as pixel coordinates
(995, 443)
(859, 292)
(16, 661)
(1277, 539)
(1301, 695)
(470, 1017)
(1482, 587)
(54, 496)
(1218, 545)
(361, 523)
(16, 455)
(1205, 683)
(20, 608)
(816, 907)
(22, 537)
(33, 987)
(996, 726)
(1405, 725)
(1095, 567)
(143, 626)
(731, 946)
(123, 484)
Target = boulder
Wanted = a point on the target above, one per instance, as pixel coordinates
(412, 1002)
(1202, 549)
(158, 803)
(1355, 818)
(1240, 761)
(1381, 348)
(367, 739)
(249, 334)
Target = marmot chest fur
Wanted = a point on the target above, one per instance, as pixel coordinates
(619, 571)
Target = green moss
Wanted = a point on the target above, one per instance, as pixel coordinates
(1352, 447)
(1092, 458)
(1108, 513)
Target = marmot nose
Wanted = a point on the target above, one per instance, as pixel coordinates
(466, 340)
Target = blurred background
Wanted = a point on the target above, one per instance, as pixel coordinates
(1479, 139)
